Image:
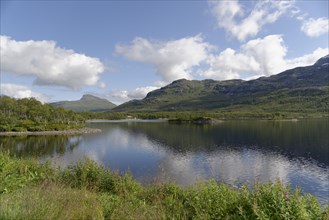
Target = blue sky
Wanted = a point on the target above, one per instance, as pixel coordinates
(120, 50)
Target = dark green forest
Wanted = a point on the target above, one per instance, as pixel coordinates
(29, 114)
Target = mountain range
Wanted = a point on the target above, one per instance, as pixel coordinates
(302, 89)
(88, 103)
(294, 90)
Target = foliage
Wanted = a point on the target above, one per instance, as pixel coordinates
(88, 190)
(252, 113)
(28, 114)
(15, 173)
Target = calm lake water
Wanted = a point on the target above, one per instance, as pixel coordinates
(234, 152)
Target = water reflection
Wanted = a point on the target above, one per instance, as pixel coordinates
(306, 138)
(39, 146)
(234, 152)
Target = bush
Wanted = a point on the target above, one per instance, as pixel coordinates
(19, 129)
(36, 128)
(5, 128)
(29, 190)
(88, 174)
(16, 174)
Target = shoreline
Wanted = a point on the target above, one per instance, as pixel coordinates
(45, 133)
(86, 189)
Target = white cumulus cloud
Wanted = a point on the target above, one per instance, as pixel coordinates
(19, 92)
(121, 96)
(315, 27)
(269, 52)
(171, 59)
(141, 92)
(50, 64)
(308, 59)
(258, 57)
(229, 64)
(231, 16)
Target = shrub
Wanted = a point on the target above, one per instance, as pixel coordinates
(19, 129)
(30, 190)
(88, 174)
(4, 128)
(36, 128)
(16, 173)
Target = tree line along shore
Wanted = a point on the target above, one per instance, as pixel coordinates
(84, 130)
(31, 117)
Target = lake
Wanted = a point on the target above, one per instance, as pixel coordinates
(234, 152)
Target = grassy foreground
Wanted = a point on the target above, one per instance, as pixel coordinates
(30, 190)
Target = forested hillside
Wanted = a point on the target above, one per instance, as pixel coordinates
(28, 114)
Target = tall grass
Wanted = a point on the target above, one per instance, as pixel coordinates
(30, 190)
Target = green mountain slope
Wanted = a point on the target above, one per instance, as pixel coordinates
(87, 103)
(294, 90)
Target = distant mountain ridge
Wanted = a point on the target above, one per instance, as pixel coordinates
(303, 87)
(88, 103)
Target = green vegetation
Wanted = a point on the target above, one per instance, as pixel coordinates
(197, 120)
(87, 103)
(252, 113)
(299, 92)
(284, 103)
(30, 190)
(31, 115)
